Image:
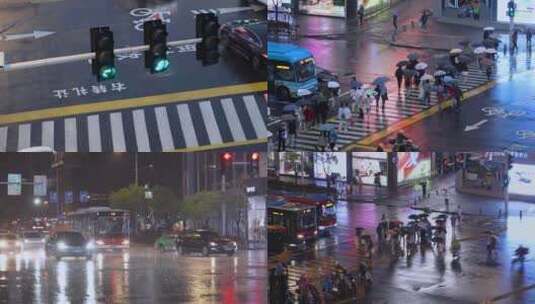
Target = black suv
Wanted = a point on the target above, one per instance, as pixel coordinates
(205, 242)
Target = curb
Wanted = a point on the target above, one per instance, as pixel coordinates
(416, 47)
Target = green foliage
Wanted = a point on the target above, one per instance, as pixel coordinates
(130, 198)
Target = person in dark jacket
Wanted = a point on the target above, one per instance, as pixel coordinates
(399, 76)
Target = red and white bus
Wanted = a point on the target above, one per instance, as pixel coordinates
(109, 228)
(325, 209)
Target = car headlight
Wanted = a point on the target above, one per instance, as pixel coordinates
(315, 232)
(300, 236)
(90, 245)
(3, 244)
(100, 242)
(25, 241)
(213, 244)
(61, 246)
(18, 243)
(126, 242)
(234, 244)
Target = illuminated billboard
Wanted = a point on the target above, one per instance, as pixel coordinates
(522, 179)
(413, 165)
(368, 167)
(327, 163)
(333, 8)
(525, 11)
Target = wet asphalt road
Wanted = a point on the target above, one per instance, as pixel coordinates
(70, 21)
(139, 275)
(427, 277)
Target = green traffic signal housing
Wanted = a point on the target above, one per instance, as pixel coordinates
(102, 45)
(207, 28)
(155, 35)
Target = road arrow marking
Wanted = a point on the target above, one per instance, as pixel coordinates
(34, 35)
(475, 126)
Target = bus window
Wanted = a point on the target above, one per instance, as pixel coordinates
(329, 210)
(307, 219)
(284, 72)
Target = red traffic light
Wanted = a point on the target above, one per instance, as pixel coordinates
(227, 156)
(255, 156)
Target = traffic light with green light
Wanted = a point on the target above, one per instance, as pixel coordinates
(102, 45)
(207, 28)
(155, 35)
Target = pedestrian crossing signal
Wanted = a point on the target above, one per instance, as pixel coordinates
(207, 28)
(102, 45)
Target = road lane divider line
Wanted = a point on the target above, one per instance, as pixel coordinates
(129, 103)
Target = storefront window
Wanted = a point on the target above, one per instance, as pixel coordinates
(327, 163)
(335, 8)
(366, 165)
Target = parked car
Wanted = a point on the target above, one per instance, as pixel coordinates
(69, 244)
(10, 242)
(33, 239)
(205, 242)
(247, 38)
(166, 242)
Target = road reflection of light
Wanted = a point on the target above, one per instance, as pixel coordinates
(61, 273)
(100, 261)
(90, 282)
(99, 267)
(37, 279)
(212, 264)
(126, 260)
(18, 262)
(235, 260)
(3, 262)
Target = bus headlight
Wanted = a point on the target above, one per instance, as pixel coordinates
(61, 246)
(125, 242)
(213, 244)
(90, 245)
(315, 232)
(300, 236)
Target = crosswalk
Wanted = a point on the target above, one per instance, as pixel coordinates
(398, 107)
(149, 129)
(204, 11)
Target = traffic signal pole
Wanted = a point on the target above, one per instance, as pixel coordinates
(25, 65)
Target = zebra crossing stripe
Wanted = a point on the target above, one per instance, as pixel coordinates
(24, 136)
(256, 116)
(233, 119)
(71, 140)
(140, 130)
(186, 123)
(117, 132)
(3, 139)
(93, 133)
(47, 134)
(166, 138)
(214, 135)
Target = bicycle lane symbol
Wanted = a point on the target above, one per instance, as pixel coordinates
(146, 14)
(526, 134)
(501, 112)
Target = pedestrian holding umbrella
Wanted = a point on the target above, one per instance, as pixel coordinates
(289, 108)
(381, 80)
(421, 66)
(333, 137)
(402, 63)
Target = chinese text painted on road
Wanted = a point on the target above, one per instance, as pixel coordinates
(146, 14)
(97, 89)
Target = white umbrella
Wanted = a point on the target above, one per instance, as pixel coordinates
(303, 92)
(333, 84)
(421, 66)
(488, 28)
(490, 51)
(456, 51)
(479, 50)
(439, 73)
(427, 77)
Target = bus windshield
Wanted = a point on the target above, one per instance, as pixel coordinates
(110, 225)
(306, 219)
(328, 209)
(305, 69)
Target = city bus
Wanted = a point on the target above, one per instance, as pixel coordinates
(295, 224)
(325, 210)
(290, 68)
(110, 228)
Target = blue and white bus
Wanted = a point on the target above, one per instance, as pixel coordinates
(290, 68)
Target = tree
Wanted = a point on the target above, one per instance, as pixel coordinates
(129, 198)
(236, 200)
(200, 206)
(164, 201)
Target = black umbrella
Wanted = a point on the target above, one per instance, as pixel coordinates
(413, 216)
(464, 58)
(423, 215)
(402, 63)
(412, 56)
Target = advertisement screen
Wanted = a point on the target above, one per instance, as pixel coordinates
(413, 165)
(367, 168)
(522, 179)
(327, 163)
(525, 11)
(256, 219)
(334, 8)
(375, 155)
